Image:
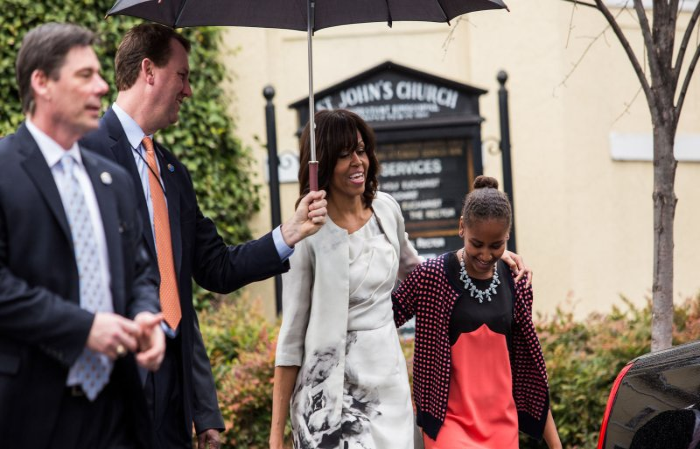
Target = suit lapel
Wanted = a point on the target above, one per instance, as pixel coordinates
(172, 193)
(38, 170)
(102, 185)
(123, 155)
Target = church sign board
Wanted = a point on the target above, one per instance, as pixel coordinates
(428, 143)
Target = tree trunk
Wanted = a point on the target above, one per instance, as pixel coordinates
(659, 37)
(664, 211)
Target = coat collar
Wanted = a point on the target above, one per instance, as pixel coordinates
(38, 170)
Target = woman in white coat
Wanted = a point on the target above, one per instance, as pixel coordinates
(339, 366)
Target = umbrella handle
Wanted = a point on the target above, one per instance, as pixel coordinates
(313, 176)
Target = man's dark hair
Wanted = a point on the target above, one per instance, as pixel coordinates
(45, 48)
(147, 40)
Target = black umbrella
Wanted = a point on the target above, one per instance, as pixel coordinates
(292, 15)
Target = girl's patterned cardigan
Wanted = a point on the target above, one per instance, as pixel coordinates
(427, 294)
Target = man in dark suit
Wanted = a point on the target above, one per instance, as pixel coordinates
(152, 77)
(78, 301)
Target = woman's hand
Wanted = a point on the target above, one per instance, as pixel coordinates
(517, 265)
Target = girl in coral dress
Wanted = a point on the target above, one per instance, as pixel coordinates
(479, 374)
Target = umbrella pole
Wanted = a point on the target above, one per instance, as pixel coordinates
(313, 162)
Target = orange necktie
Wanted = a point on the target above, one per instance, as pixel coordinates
(169, 296)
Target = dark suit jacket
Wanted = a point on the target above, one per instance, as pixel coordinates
(42, 327)
(199, 252)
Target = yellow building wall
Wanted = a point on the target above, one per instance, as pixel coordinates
(583, 220)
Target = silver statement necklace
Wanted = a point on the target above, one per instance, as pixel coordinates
(469, 285)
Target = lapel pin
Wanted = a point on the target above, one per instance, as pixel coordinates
(106, 178)
(171, 169)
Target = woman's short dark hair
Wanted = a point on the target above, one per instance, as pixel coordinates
(336, 131)
(147, 40)
(486, 202)
(45, 48)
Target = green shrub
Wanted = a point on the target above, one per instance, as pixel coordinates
(203, 139)
(241, 346)
(583, 359)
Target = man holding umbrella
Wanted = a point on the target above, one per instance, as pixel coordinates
(152, 77)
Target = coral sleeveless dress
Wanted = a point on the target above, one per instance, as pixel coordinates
(481, 412)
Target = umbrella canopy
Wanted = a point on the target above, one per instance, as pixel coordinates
(293, 15)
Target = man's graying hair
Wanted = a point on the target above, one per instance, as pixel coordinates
(45, 48)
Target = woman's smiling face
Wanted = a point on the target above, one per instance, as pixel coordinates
(350, 170)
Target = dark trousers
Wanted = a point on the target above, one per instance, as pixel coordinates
(100, 424)
(164, 395)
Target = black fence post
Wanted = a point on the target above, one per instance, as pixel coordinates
(502, 77)
(273, 167)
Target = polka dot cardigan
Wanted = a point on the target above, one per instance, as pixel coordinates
(427, 294)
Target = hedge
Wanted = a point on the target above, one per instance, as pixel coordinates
(583, 358)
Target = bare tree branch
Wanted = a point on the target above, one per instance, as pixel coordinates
(686, 83)
(571, 25)
(673, 8)
(664, 36)
(646, 63)
(451, 35)
(684, 43)
(588, 47)
(630, 53)
(577, 2)
(654, 63)
(632, 15)
(628, 106)
(578, 61)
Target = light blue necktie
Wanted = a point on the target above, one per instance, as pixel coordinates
(91, 370)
